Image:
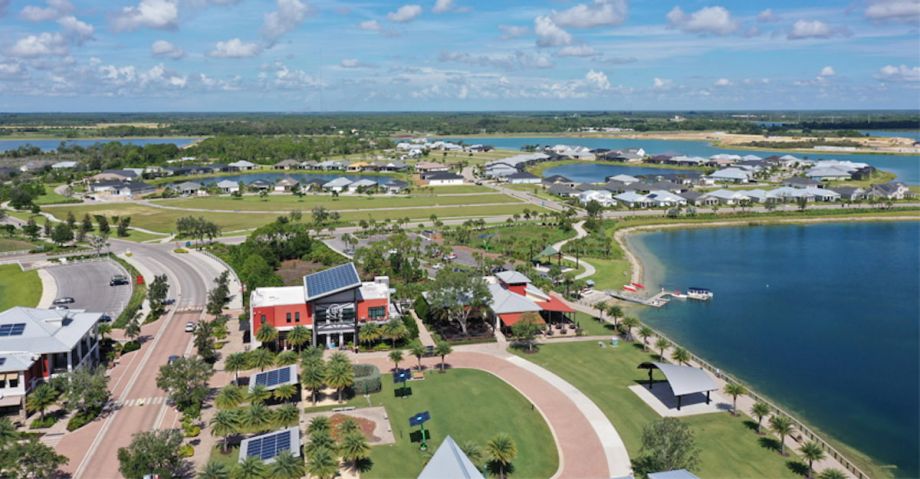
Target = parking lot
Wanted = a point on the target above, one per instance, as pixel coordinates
(88, 284)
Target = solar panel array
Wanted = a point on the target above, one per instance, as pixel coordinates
(274, 377)
(2, 361)
(331, 279)
(269, 446)
(14, 329)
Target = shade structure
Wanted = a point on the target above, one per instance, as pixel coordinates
(510, 319)
(449, 462)
(684, 379)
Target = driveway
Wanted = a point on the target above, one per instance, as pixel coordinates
(88, 284)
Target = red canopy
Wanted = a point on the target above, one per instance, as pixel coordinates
(510, 319)
(555, 304)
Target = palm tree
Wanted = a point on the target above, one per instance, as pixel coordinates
(235, 363)
(319, 424)
(298, 336)
(286, 466)
(661, 344)
(259, 394)
(257, 418)
(214, 470)
(782, 426)
(812, 451)
(615, 312)
(601, 308)
(370, 333)
(340, 373)
(321, 440)
(229, 397)
(418, 351)
(313, 375)
(287, 415)
(443, 349)
(322, 464)
(285, 392)
(627, 324)
(353, 447)
(644, 333)
(285, 358)
(104, 330)
(501, 450)
(680, 355)
(395, 330)
(251, 468)
(225, 424)
(832, 474)
(311, 352)
(40, 398)
(347, 426)
(396, 356)
(760, 410)
(267, 334)
(261, 358)
(734, 390)
(473, 452)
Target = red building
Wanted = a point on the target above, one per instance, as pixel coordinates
(333, 304)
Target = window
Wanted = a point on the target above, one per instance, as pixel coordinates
(288, 317)
(14, 381)
(2, 382)
(377, 312)
(262, 319)
(297, 317)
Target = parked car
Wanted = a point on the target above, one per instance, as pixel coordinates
(171, 359)
(63, 300)
(61, 307)
(118, 280)
(105, 318)
(190, 327)
(437, 266)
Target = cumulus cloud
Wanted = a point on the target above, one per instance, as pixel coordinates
(54, 10)
(512, 31)
(405, 13)
(577, 51)
(441, 6)
(280, 76)
(515, 60)
(129, 77)
(803, 29)
(288, 15)
(705, 21)
(767, 16)
(159, 14)
(598, 13)
(598, 79)
(10, 70)
(370, 25)
(76, 29)
(827, 71)
(41, 45)
(235, 48)
(902, 73)
(894, 10)
(723, 82)
(163, 48)
(549, 34)
(661, 83)
(354, 63)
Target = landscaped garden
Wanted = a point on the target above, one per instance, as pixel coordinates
(18, 288)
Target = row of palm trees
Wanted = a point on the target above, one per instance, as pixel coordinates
(324, 448)
(442, 348)
(233, 418)
(337, 373)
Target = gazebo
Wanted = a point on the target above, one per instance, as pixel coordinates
(449, 461)
(684, 380)
(548, 252)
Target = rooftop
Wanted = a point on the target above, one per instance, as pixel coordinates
(42, 331)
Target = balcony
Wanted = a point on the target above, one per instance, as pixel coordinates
(336, 327)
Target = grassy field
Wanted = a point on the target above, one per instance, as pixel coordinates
(7, 245)
(18, 288)
(290, 202)
(474, 159)
(728, 447)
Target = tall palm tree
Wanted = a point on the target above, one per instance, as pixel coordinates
(225, 424)
(396, 356)
(298, 336)
(267, 334)
(395, 330)
(627, 324)
(782, 426)
(615, 312)
(104, 330)
(340, 373)
(418, 351)
(229, 397)
(812, 451)
(235, 363)
(261, 358)
(214, 470)
(680, 355)
(353, 447)
(251, 468)
(322, 464)
(370, 333)
(734, 390)
(285, 358)
(286, 466)
(319, 424)
(40, 398)
(287, 415)
(644, 333)
(259, 394)
(257, 418)
(313, 375)
(760, 410)
(285, 392)
(442, 349)
(501, 450)
(661, 344)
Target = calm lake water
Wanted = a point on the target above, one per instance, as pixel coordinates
(301, 177)
(824, 319)
(906, 167)
(596, 172)
(48, 145)
(912, 134)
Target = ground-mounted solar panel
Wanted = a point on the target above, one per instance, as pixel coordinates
(268, 446)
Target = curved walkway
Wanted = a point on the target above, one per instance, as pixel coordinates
(580, 233)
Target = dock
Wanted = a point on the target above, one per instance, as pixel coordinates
(658, 300)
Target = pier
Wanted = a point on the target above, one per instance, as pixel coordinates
(658, 300)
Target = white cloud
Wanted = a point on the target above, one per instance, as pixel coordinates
(128, 77)
(802, 29)
(767, 16)
(370, 25)
(512, 31)
(44, 44)
(827, 71)
(598, 79)
(405, 13)
(661, 83)
(577, 51)
(601, 12)
(163, 48)
(708, 20)
(76, 29)
(896, 10)
(549, 34)
(516, 60)
(902, 73)
(289, 14)
(441, 6)
(160, 14)
(723, 82)
(10, 70)
(54, 10)
(280, 76)
(235, 48)
(354, 63)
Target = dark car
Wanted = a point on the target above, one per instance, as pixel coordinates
(63, 300)
(105, 318)
(118, 280)
(171, 359)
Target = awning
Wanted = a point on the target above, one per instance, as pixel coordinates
(8, 401)
(510, 319)
(684, 379)
(555, 304)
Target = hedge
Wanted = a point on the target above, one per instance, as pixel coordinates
(138, 293)
(411, 326)
(367, 379)
(422, 310)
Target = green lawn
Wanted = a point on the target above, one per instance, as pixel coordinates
(51, 198)
(7, 245)
(611, 273)
(728, 447)
(454, 189)
(592, 326)
(349, 202)
(18, 288)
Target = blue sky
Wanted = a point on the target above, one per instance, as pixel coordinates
(323, 55)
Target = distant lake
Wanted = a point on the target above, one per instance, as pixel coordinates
(593, 172)
(912, 134)
(49, 145)
(821, 318)
(907, 168)
(247, 178)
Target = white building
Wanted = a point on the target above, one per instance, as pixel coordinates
(337, 185)
(243, 165)
(604, 197)
(443, 178)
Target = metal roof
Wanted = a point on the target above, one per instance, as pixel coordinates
(684, 379)
(449, 462)
(45, 330)
(331, 281)
(513, 277)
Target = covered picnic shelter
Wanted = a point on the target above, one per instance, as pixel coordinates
(684, 380)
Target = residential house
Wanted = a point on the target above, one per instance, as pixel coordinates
(429, 167)
(632, 199)
(337, 185)
(227, 186)
(64, 165)
(289, 164)
(889, 191)
(728, 197)
(330, 165)
(395, 186)
(623, 179)
(828, 173)
(849, 193)
(557, 179)
(731, 175)
(358, 166)
(603, 197)
(800, 182)
(562, 189)
(663, 198)
(112, 175)
(189, 188)
(287, 185)
(314, 184)
(362, 185)
(698, 199)
(260, 185)
(523, 178)
(443, 178)
(120, 189)
(242, 165)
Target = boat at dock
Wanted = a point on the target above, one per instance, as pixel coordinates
(700, 294)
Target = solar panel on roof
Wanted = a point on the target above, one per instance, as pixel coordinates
(274, 377)
(2, 361)
(330, 280)
(269, 446)
(13, 329)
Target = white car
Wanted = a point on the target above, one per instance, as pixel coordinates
(437, 266)
(190, 327)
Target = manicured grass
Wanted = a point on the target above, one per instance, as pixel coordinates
(51, 198)
(18, 288)
(229, 460)
(7, 245)
(611, 273)
(455, 189)
(140, 236)
(592, 326)
(345, 202)
(728, 448)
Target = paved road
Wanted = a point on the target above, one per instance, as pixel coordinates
(88, 284)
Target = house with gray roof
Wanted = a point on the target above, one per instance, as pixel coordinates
(449, 461)
(188, 188)
(337, 185)
(889, 191)
(287, 184)
(663, 198)
(523, 178)
(362, 185)
(227, 186)
(242, 165)
(632, 199)
(289, 164)
(849, 193)
(395, 186)
(563, 190)
(731, 175)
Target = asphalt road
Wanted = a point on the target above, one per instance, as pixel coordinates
(88, 284)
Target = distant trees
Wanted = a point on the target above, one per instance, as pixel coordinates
(198, 228)
(667, 444)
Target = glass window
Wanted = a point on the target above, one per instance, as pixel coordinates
(377, 312)
(14, 382)
(297, 317)
(288, 317)
(262, 319)
(3, 383)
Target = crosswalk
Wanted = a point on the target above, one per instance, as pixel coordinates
(140, 402)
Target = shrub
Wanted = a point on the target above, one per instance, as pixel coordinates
(186, 450)
(81, 419)
(191, 431)
(48, 421)
(130, 346)
(180, 250)
(367, 379)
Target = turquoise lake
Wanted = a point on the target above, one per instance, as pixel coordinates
(906, 167)
(823, 319)
(48, 145)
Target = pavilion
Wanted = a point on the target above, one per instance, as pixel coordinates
(449, 461)
(684, 380)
